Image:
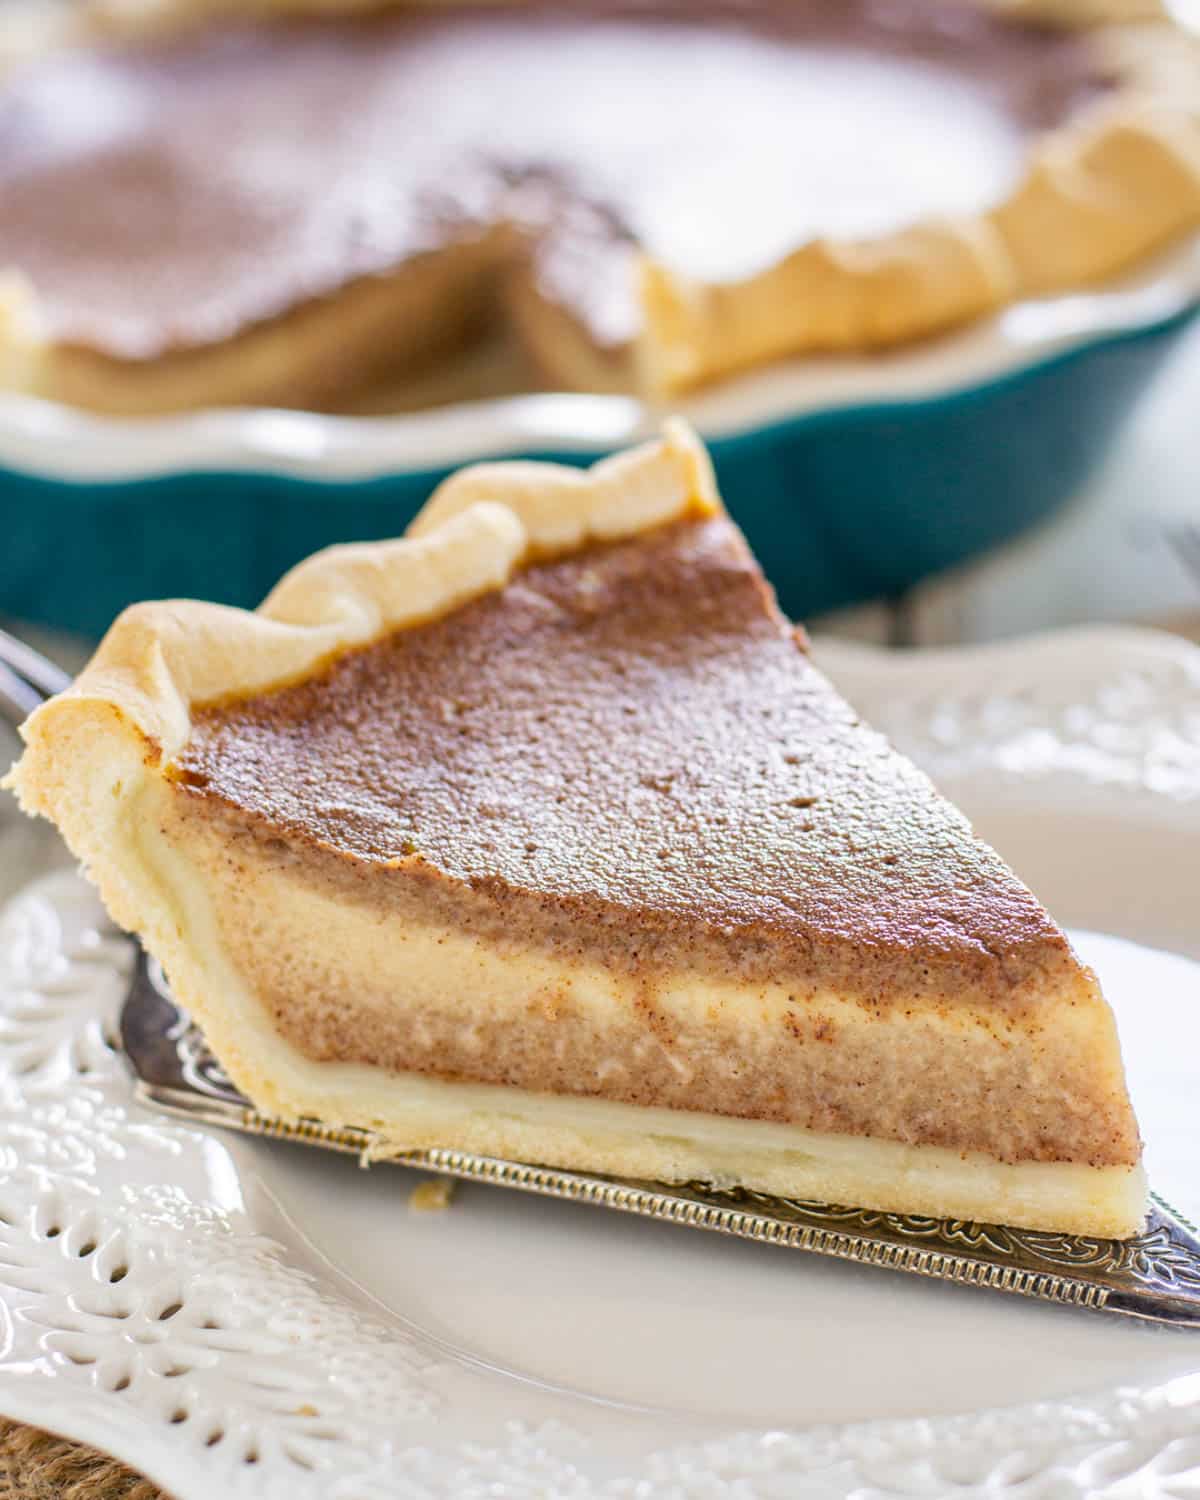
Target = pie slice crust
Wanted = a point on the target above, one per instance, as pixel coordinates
(1118, 180)
(537, 834)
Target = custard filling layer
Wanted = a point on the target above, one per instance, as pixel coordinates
(421, 997)
(266, 1046)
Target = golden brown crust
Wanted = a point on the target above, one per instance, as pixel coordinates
(1101, 196)
(826, 296)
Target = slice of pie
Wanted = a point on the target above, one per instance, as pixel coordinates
(644, 196)
(538, 834)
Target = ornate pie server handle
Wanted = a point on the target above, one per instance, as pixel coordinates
(1155, 1276)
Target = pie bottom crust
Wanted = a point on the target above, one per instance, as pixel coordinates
(412, 1112)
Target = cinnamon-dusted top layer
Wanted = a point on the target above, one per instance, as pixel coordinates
(169, 195)
(633, 730)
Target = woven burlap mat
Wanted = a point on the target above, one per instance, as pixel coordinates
(36, 1466)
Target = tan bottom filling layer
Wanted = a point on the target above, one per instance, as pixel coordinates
(252, 977)
(665, 1145)
(319, 356)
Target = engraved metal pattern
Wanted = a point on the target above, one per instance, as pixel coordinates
(1154, 1276)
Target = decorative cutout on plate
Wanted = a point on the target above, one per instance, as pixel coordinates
(130, 1271)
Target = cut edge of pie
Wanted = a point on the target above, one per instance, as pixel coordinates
(1115, 183)
(98, 762)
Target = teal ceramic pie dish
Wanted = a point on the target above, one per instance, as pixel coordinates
(853, 479)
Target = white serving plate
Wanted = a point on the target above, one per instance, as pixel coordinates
(55, 441)
(241, 1318)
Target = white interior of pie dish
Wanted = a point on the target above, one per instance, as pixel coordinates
(55, 441)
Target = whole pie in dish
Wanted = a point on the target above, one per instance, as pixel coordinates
(217, 208)
(538, 834)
